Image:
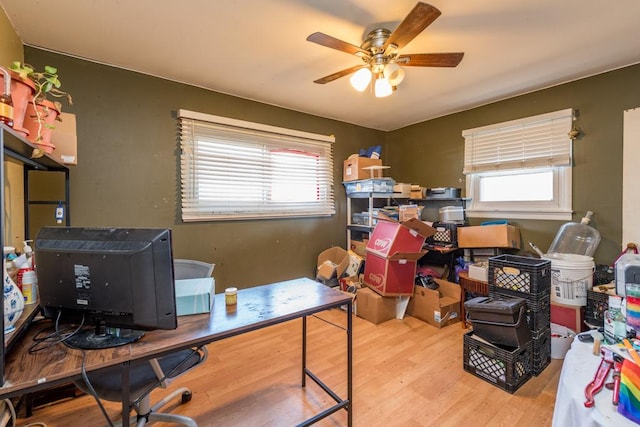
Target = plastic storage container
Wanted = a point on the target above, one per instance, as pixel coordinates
(576, 238)
(501, 320)
(627, 271)
(571, 278)
(506, 369)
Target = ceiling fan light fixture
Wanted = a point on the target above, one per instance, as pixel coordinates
(360, 79)
(394, 73)
(382, 88)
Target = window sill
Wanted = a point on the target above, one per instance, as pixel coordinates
(512, 214)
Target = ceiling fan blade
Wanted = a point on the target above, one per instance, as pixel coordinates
(420, 17)
(337, 44)
(450, 59)
(335, 76)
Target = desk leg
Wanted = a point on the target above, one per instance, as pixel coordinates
(125, 394)
(304, 351)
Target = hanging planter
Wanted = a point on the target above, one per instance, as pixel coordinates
(22, 90)
(39, 122)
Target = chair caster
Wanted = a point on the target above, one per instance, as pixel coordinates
(186, 397)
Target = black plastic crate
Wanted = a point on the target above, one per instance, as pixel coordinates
(521, 274)
(541, 344)
(597, 304)
(446, 234)
(603, 274)
(505, 368)
(538, 307)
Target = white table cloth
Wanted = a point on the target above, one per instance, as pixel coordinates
(578, 370)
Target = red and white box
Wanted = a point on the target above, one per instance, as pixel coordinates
(390, 237)
(391, 276)
(392, 255)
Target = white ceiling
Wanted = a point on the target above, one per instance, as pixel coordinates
(257, 49)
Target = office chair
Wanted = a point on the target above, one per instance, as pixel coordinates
(146, 375)
(191, 269)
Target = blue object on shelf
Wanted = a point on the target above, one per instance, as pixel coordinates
(496, 222)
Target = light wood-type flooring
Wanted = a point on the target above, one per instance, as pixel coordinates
(405, 373)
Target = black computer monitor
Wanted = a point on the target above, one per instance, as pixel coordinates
(117, 281)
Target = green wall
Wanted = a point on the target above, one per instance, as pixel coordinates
(431, 153)
(10, 44)
(128, 161)
(128, 170)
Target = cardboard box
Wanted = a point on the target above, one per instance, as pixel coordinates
(489, 236)
(407, 212)
(390, 237)
(439, 307)
(359, 247)
(332, 262)
(65, 139)
(194, 296)
(353, 168)
(373, 307)
(355, 264)
(418, 192)
(401, 190)
(391, 276)
(479, 271)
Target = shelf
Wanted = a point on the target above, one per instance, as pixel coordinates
(361, 228)
(30, 311)
(363, 195)
(17, 147)
(442, 199)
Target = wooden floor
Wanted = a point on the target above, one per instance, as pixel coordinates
(405, 373)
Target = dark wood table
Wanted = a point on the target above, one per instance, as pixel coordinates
(257, 308)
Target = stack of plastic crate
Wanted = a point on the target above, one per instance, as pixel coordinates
(528, 278)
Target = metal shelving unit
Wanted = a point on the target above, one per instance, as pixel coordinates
(16, 147)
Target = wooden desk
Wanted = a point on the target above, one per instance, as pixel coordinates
(257, 308)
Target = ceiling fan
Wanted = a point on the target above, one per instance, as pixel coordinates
(380, 53)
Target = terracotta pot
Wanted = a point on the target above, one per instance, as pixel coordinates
(21, 92)
(39, 134)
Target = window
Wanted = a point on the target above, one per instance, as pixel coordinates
(520, 168)
(232, 169)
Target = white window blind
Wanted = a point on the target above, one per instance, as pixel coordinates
(537, 141)
(232, 169)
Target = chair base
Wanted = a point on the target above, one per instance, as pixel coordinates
(152, 415)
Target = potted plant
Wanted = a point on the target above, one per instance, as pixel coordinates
(22, 90)
(43, 110)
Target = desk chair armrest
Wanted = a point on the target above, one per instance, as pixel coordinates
(165, 377)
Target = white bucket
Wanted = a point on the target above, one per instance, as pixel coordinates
(561, 339)
(571, 277)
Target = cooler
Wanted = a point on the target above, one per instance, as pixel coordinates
(500, 320)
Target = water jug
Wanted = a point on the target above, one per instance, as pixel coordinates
(576, 238)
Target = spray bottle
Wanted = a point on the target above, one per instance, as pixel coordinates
(28, 252)
(576, 238)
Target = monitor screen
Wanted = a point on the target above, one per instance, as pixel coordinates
(116, 281)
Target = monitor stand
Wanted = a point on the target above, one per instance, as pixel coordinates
(102, 337)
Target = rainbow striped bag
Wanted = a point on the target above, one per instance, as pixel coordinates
(629, 398)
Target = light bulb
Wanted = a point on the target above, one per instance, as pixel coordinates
(394, 73)
(382, 88)
(360, 79)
